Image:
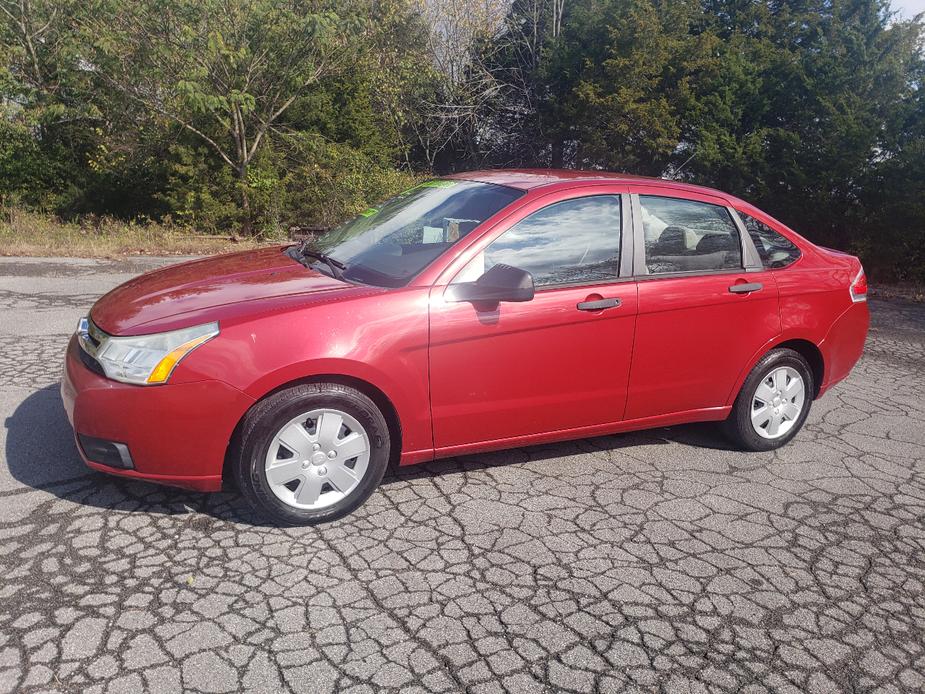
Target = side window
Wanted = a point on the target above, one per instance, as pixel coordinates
(566, 243)
(688, 236)
(775, 250)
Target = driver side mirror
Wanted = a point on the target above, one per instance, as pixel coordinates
(500, 283)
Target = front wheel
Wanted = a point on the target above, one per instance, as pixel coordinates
(311, 453)
(773, 403)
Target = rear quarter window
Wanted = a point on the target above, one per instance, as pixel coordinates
(776, 251)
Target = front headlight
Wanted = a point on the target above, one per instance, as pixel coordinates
(145, 359)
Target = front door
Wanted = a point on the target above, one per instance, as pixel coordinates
(559, 362)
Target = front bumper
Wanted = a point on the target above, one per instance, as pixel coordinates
(177, 434)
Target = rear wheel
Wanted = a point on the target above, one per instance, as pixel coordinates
(311, 453)
(773, 403)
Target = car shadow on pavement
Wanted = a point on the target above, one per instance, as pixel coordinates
(701, 435)
(41, 454)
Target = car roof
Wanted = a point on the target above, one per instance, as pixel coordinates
(528, 179)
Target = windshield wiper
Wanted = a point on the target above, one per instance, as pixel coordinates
(337, 267)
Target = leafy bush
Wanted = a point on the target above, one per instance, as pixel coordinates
(328, 182)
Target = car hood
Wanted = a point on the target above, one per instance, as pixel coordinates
(201, 291)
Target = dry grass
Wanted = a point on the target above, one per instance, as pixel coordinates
(30, 234)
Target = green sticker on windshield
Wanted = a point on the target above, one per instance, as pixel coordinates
(368, 212)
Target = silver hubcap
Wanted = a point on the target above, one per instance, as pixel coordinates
(317, 459)
(777, 402)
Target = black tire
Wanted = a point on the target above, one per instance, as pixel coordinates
(738, 427)
(260, 426)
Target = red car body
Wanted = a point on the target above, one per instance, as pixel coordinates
(450, 381)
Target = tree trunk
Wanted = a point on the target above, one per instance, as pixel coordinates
(247, 220)
(558, 153)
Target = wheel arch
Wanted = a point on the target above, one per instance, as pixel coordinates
(808, 349)
(370, 390)
(813, 356)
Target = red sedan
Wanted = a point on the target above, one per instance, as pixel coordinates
(475, 312)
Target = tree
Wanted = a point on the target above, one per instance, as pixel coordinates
(226, 71)
(803, 107)
(46, 120)
(451, 91)
(810, 109)
(515, 129)
(40, 42)
(593, 83)
(888, 229)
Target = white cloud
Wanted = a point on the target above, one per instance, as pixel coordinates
(908, 8)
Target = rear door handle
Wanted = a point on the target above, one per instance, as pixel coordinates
(746, 287)
(598, 305)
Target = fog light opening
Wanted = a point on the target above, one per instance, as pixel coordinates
(105, 452)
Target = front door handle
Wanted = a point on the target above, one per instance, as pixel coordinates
(598, 305)
(746, 287)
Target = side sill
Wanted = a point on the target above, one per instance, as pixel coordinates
(706, 414)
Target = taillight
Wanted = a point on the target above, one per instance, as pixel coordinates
(858, 288)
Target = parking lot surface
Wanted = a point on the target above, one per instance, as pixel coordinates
(660, 560)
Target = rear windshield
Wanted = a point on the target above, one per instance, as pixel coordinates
(389, 244)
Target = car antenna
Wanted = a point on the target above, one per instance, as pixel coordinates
(686, 161)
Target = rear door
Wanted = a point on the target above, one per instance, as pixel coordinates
(706, 305)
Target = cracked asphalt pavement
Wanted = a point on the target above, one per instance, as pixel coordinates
(660, 560)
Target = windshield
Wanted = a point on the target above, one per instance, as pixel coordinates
(389, 244)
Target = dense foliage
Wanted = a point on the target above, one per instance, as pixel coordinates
(257, 115)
